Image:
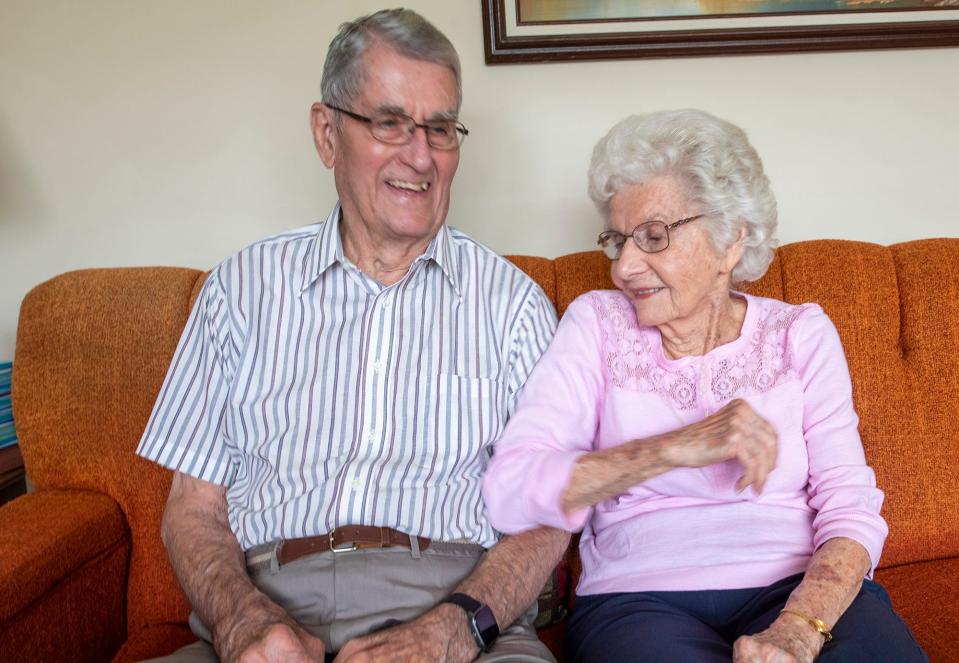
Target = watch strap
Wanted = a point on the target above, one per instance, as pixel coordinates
(480, 617)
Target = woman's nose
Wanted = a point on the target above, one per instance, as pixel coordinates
(631, 261)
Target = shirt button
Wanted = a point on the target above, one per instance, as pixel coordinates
(371, 436)
(356, 484)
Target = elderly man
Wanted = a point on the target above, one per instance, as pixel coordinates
(336, 393)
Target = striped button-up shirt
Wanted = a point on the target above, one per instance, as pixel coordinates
(321, 398)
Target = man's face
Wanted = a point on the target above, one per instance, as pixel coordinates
(397, 193)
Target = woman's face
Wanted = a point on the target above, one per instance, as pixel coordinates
(684, 280)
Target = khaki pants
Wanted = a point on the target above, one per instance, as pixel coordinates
(341, 596)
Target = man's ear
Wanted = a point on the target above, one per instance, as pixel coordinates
(735, 251)
(321, 121)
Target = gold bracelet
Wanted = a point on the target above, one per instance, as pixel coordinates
(817, 624)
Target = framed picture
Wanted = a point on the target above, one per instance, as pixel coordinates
(550, 30)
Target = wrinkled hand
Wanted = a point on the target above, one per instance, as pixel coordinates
(782, 642)
(280, 643)
(439, 635)
(735, 432)
(263, 633)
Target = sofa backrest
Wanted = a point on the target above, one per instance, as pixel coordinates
(92, 350)
(93, 347)
(897, 312)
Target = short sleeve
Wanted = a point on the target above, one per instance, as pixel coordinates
(531, 335)
(186, 431)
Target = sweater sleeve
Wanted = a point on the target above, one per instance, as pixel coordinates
(842, 487)
(554, 424)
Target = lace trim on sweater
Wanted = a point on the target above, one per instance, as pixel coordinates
(758, 366)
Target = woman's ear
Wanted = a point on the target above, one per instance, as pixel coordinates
(735, 251)
(321, 121)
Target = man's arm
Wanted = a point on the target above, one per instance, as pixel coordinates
(512, 575)
(246, 625)
(508, 580)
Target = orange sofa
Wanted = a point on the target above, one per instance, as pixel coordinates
(84, 577)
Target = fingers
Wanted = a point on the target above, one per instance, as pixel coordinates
(363, 649)
(282, 643)
(749, 649)
(746, 437)
(315, 647)
(735, 432)
(757, 454)
(744, 649)
(754, 444)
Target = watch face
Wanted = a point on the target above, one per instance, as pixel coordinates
(485, 624)
(481, 619)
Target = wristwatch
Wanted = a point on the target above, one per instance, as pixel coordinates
(482, 622)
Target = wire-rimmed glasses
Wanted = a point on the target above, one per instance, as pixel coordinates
(651, 237)
(398, 129)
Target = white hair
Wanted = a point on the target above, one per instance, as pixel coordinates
(716, 165)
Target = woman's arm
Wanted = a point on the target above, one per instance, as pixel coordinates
(832, 581)
(554, 423)
(545, 470)
(847, 529)
(734, 432)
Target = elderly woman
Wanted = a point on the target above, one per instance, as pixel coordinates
(703, 439)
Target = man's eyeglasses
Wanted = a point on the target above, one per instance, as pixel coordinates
(397, 129)
(651, 237)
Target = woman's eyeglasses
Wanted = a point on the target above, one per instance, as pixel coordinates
(651, 237)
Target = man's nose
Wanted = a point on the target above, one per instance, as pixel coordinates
(418, 151)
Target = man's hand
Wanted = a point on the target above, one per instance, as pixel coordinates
(279, 643)
(245, 624)
(442, 634)
(508, 580)
(260, 632)
(783, 642)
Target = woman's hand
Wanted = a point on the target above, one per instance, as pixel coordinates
(787, 640)
(735, 432)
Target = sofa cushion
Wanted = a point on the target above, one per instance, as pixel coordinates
(924, 595)
(47, 535)
(65, 558)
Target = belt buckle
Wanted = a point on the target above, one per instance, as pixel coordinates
(346, 547)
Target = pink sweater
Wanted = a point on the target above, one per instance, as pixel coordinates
(605, 381)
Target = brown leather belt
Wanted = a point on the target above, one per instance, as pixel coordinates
(345, 539)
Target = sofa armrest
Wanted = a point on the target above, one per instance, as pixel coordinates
(63, 568)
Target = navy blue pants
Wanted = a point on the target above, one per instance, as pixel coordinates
(701, 626)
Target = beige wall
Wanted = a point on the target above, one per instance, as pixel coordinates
(173, 133)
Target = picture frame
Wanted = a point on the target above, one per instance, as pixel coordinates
(510, 39)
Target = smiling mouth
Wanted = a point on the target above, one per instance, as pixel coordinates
(645, 292)
(409, 186)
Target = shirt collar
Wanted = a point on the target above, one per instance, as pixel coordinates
(328, 249)
(443, 253)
